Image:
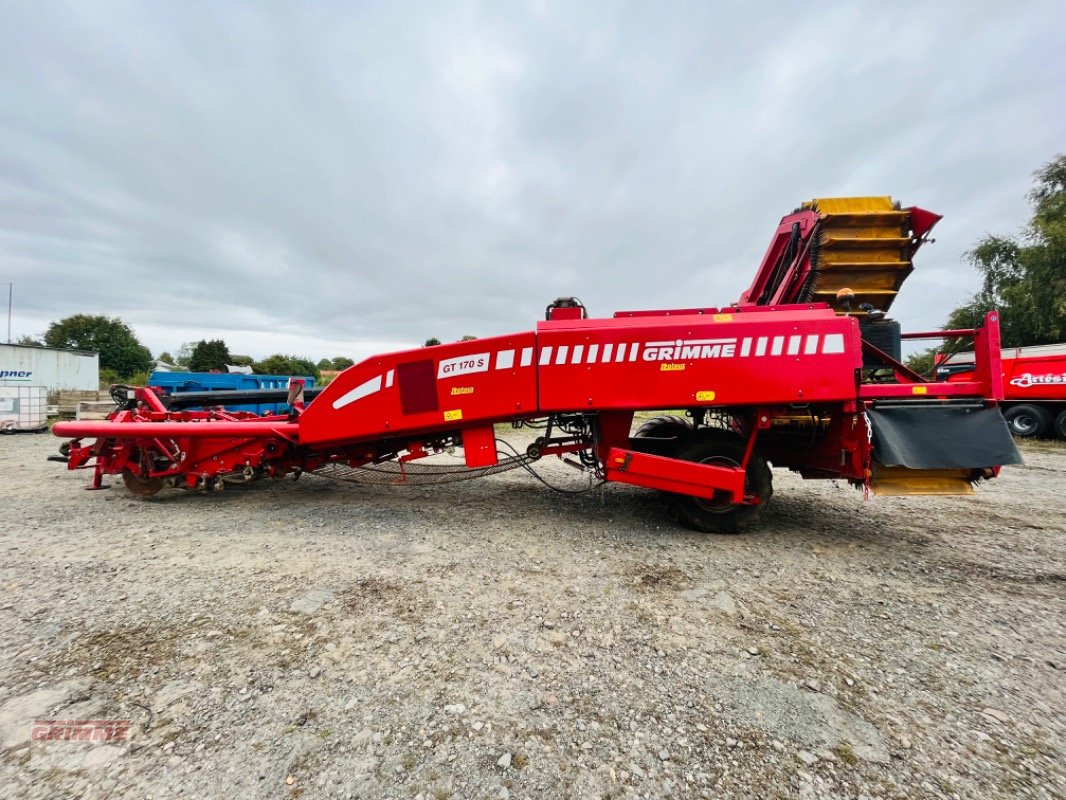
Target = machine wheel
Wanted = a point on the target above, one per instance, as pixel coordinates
(718, 514)
(1027, 420)
(666, 426)
(1060, 424)
(144, 487)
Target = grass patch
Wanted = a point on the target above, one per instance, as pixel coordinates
(650, 578)
(125, 652)
(846, 754)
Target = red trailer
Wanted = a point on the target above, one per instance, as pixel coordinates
(1034, 387)
(802, 373)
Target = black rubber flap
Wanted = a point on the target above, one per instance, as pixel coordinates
(942, 437)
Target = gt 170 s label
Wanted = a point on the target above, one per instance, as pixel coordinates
(463, 365)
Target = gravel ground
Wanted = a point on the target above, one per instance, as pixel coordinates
(494, 639)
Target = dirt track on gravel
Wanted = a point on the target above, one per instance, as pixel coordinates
(495, 639)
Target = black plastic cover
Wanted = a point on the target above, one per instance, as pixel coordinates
(941, 437)
(231, 397)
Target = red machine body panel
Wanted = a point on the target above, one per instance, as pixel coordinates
(794, 356)
(730, 358)
(431, 388)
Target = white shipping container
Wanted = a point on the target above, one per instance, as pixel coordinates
(50, 367)
(22, 408)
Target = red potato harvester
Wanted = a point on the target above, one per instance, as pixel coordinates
(803, 373)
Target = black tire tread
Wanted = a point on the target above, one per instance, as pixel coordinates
(665, 426)
(1060, 425)
(882, 334)
(1039, 413)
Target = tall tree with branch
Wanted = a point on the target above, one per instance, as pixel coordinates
(1025, 275)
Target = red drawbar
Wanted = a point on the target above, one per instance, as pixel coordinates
(673, 475)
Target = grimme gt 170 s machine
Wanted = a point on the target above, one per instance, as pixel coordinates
(803, 373)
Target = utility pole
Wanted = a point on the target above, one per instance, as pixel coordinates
(10, 292)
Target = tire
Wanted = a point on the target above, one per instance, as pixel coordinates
(666, 426)
(1027, 421)
(1060, 424)
(661, 436)
(724, 448)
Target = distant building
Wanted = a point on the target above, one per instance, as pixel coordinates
(51, 367)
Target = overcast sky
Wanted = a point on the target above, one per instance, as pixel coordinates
(339, 178)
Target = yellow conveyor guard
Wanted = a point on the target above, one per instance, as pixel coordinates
(863, 245)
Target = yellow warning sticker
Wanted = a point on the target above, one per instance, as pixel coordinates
(462, 390)
(723, 317)
(919, 390)
(454, 414)
(705, 396)
(671, 367)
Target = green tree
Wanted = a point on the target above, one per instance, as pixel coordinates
(341, 362)
(923, 362)
(1024, 276)
(279, 364)
(432, 342)
(184, 354)
(325, 363)
(29, 341)
(210, 355)
(166, 357)
(467, 338)
(117, 344)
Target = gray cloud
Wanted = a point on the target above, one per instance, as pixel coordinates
(327, 179)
